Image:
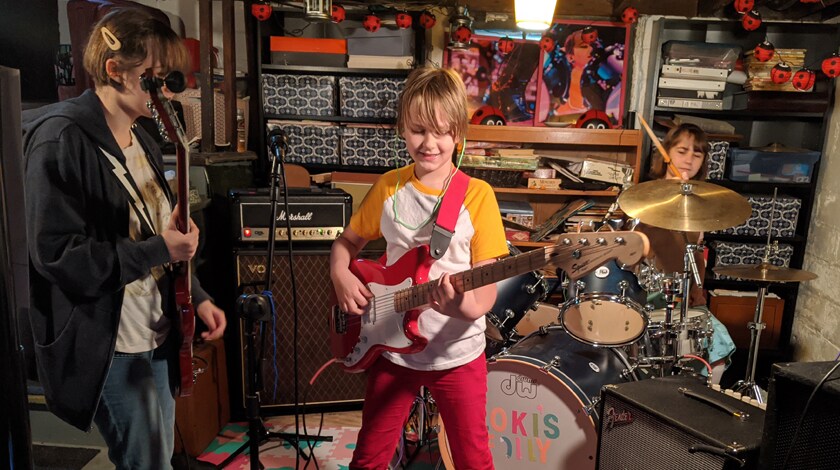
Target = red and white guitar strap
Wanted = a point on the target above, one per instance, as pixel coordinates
(447, 215)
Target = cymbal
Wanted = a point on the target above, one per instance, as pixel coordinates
(687, 206)
(765, 272)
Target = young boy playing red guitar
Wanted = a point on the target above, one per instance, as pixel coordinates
(401, 207)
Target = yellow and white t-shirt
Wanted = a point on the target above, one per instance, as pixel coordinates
(479, 236)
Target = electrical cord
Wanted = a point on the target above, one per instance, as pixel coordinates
(805, 412)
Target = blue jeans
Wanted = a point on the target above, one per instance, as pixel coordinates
(136, 413)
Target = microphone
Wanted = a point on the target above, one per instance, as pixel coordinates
(277, 141)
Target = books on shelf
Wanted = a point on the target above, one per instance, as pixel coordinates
(690, 94)
(698, 73)
(356, 61)
(691, 84)
(687, 103)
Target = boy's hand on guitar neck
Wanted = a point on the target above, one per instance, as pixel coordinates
(181, 246)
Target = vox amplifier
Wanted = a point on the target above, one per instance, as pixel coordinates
(315, 215)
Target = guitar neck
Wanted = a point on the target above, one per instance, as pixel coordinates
(418, 296)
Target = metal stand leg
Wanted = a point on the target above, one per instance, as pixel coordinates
(748, 385)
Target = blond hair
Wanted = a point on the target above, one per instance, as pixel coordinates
(129, 36)
(428, 91)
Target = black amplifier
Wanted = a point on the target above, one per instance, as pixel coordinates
(315, 214)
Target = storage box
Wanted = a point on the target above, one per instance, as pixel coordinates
(737, 311)
(731, 253)
(717, 160)
(701, 54)
(784, 213)
(385, 42)
(783, 167)
(373, 146)
(370, 97)
(299, 95)
(315, 143)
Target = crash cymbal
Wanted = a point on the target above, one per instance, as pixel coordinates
(687, 206)
(765, 272)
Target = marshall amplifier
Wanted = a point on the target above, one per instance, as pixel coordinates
(315, 214)
(807, 439)
(676, 422)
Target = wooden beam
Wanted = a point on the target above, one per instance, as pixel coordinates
(205, 35)
(229, 82)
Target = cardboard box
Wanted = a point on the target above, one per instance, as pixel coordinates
(545, 183)
(608, 172)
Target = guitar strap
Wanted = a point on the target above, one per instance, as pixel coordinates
(447, 215)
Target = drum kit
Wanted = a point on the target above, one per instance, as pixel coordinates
(547, 364)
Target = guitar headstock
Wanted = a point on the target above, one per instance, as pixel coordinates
(579, 253)
(162, 111)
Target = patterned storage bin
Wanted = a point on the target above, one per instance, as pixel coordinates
(732, 253)
(299, 95)
(786, 213)
(373, 146)
(310, 143)
(717, 159)
(369, 97)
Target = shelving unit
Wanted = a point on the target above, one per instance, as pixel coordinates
(613, 145)
(785, 125)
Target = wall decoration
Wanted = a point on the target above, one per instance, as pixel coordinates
(338, 14)
(584, 70)
(505, 81)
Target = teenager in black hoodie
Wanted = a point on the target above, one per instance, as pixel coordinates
(101, 239)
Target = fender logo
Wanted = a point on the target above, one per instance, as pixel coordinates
(613, 418)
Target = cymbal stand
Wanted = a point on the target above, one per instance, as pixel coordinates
(748, 386)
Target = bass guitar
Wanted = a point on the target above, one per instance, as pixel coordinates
(171, 130)
(401, 291)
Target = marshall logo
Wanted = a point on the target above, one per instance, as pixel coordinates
(296, 216)
(613, 418)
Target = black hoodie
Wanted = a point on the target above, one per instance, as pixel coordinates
(81, 256)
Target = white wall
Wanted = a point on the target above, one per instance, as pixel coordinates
(187, 10)
(816, 327)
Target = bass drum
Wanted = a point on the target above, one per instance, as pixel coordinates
(541, 397)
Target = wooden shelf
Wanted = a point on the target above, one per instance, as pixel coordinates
(316, 70)
(340, 119)
(557, 136)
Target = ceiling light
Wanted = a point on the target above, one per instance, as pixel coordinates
(534, 15)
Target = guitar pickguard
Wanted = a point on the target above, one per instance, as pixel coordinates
(381, 325)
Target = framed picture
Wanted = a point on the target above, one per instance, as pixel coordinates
(505, 78)
(582, 68)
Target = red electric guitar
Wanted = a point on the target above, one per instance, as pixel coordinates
(170, 129)
(401, 291)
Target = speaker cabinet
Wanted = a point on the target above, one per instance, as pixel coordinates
(816, 446)
(334, 388)
(675, 422)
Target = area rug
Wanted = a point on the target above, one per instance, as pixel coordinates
(53, 457)
(280, 455)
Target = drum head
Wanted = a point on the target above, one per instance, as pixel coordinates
(542, 315)
(604, 320)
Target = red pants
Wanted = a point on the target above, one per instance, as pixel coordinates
(461, 398)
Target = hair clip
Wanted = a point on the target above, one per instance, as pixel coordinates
(113, 43)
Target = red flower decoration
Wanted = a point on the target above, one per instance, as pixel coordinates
(764, 51)
(780, 73)
(403, 20)
(589, 35)
(803, 79)
(831, 66)
(338, 14)
(506, 45)
(630, 15)
(751, 21)
(462, 34)
(743, 6)
(372, 23)
(427, 19)
(261, 11)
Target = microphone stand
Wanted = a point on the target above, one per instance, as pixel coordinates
(260, 308)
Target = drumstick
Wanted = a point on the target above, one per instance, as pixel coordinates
(659, 147)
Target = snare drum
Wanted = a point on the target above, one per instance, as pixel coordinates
(605, 307)
(541, 397)
(694, 334)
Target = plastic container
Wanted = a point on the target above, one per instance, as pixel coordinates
(777, 166)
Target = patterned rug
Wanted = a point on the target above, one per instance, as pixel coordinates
(277, 454)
